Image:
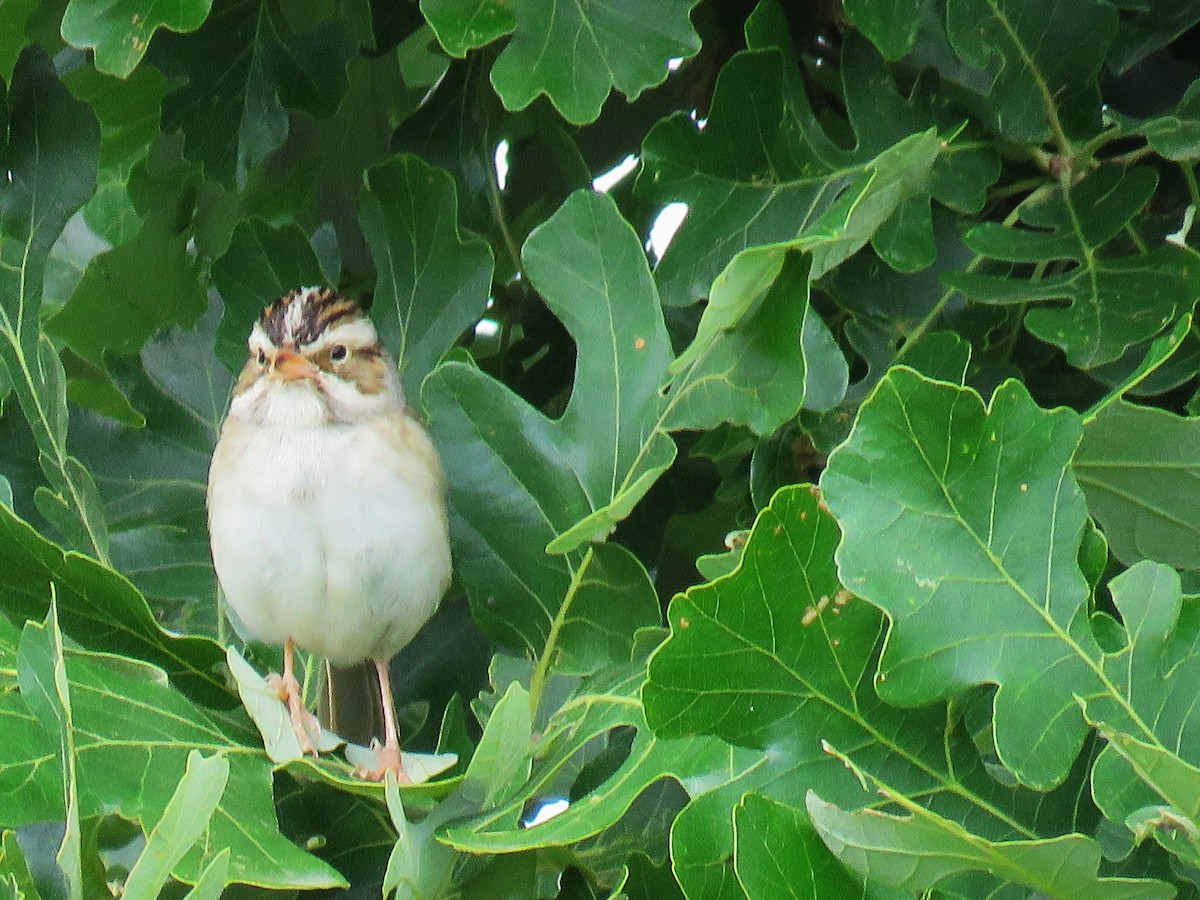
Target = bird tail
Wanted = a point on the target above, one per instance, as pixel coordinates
(350, 703)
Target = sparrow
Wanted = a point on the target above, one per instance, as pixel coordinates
(326, 502)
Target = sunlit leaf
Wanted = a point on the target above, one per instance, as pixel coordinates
(119, 32)
(962, 522)
(921, 851)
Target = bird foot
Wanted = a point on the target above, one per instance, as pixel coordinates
(304, 724)
(387, 758)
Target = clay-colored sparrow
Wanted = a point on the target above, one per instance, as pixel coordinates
(326, 500)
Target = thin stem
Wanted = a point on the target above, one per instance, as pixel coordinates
(497, 204)
(1136, 238)
(537, 683)
(938, 308)
(1128, 159)
(1189, 175)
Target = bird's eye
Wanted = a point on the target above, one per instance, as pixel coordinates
(262, 357)
(338, 353)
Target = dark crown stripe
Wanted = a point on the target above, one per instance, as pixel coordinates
(320, 310)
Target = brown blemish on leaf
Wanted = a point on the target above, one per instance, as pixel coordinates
(639, 344)
(811, 613)
(683, 622)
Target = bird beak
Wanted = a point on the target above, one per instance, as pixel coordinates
(291, 366)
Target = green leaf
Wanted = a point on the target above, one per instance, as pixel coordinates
(184, 820)
(591, 270)
(14, 871)
(465, 25)
(1174, 135)
(890, 24)
(841, 230)
(317, 175)
(1042, 60)
(1140, 470)
(263, 262)
(1155, 705)
(432, 283)
(99, 609)
(1172, 779)
(575, 55)
(948, 507)
(762, 170)
(143, 286)
(1115, 301)
(419, 866)
(50, 157)
(613, 600)
(778, 657)
(120, 31)
(213, 879)
(779, 854)
(501, 760)
(1147, 26)
(133, 733)
(604, 703)
(245, 68)
(921, 851)
(153, 479)
(13, 16)
(42, 676)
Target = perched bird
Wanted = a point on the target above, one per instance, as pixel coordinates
(326, 501)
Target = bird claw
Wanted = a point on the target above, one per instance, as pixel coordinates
(387, 759)
(305, 725)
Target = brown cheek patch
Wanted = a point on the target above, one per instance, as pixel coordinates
(369, 370)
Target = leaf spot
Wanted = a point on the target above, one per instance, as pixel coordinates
(1024, 488)
(811, 612)
(639, 344)
(683, 622)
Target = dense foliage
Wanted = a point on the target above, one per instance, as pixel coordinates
(936, 256)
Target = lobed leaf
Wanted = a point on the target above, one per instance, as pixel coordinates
(244, 68)
(1115, 301)
(119, 31)
(1042, 60)
(132, 733)
(432, 282)
(777, 657)
(762, 170)
(574, 54)
(962, 522)
(920, 852)
(49, 157)
(1138, 467)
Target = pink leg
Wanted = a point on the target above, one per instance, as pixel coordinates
(289, 691)
(387, 755)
